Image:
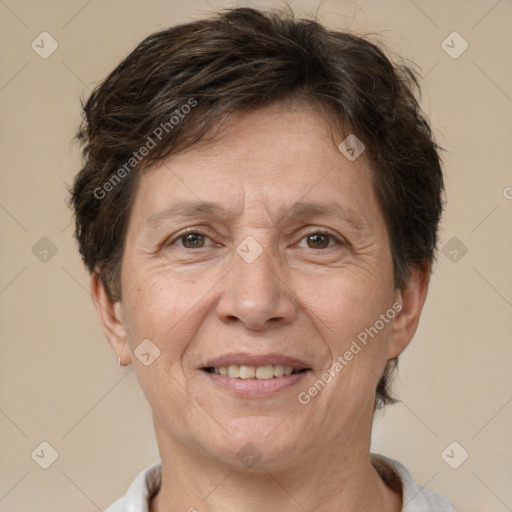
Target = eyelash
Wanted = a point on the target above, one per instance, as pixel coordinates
(199, 232)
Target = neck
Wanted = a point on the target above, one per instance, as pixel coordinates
(331, 479)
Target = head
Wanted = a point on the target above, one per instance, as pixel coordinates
(245, 116)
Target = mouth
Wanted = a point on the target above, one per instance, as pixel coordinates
(264, 372)
(253, 376)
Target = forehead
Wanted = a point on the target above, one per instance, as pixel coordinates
(274, 157)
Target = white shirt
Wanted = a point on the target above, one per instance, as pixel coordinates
(415, 497)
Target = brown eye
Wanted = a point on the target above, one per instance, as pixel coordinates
(321, 240)
(318, 240)
(192, 240)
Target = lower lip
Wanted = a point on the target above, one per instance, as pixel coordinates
(255, 388)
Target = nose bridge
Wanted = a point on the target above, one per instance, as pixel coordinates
(254, 265)
(254, 292)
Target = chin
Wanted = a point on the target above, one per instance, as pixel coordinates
(257, 443)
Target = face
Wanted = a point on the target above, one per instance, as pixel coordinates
(261, 254)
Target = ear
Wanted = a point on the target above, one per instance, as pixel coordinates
(111, 318)
(411, 297)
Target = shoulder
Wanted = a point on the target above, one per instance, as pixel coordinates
(136, 499)
(415, 497)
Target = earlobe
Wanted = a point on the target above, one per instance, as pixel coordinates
(411, 298)
(111, 317)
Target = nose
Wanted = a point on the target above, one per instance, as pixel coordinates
(256, 294)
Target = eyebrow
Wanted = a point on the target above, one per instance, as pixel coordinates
(188, 209)
(300, 210)
(334, 210)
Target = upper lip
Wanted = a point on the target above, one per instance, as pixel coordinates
(256, 360)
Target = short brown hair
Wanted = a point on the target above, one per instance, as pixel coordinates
(242, 59)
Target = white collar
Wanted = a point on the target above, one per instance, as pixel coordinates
(416, 498)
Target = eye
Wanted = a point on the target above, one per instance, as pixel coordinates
(320, 240)
(192, 239)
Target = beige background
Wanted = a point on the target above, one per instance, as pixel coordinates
(60, 382)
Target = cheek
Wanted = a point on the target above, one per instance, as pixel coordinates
(161, 309)
(344, 306)
(347, 312)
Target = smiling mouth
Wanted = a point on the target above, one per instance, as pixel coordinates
(245, 372)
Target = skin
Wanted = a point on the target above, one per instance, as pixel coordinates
(296, 298)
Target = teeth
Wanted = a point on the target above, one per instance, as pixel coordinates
(278, 370)
(247, 372)
(265, 372)
(234, 371)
